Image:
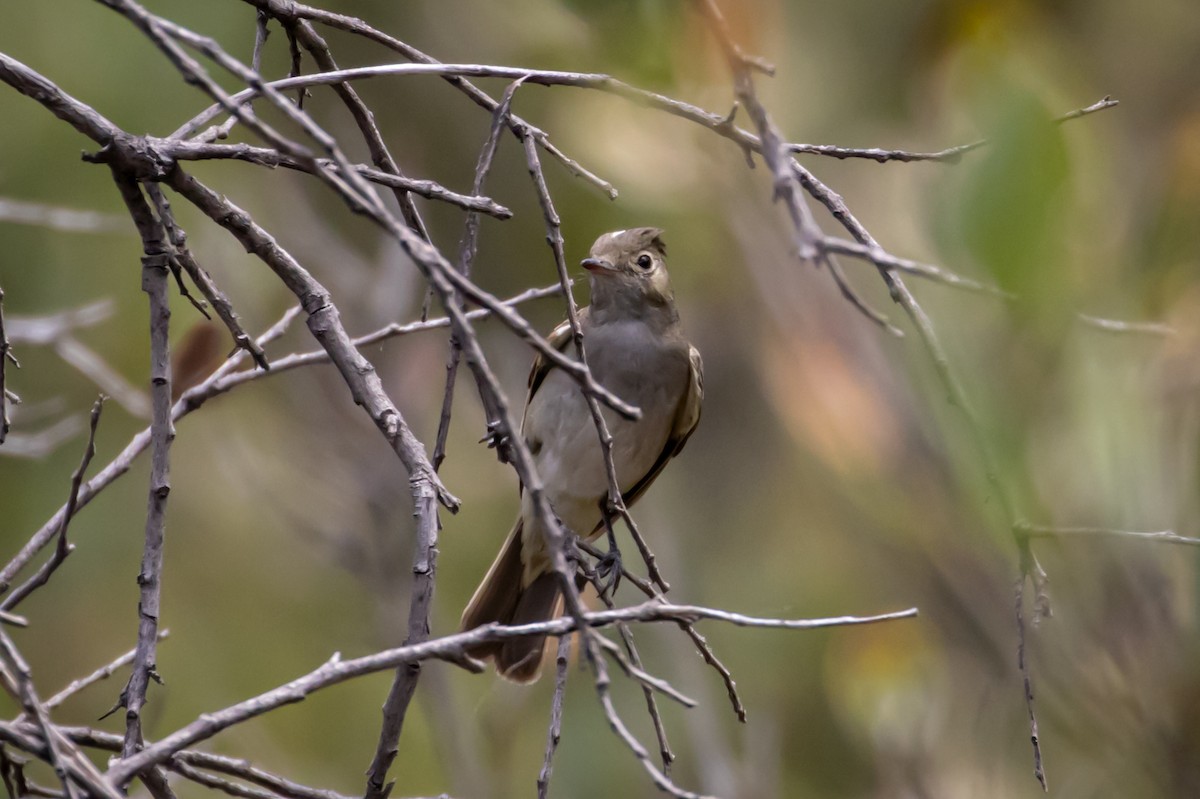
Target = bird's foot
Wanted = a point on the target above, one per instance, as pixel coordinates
(496, 439)
(608, 572)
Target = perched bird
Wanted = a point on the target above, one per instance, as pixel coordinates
(635, 348)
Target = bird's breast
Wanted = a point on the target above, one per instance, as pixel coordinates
(639, 366)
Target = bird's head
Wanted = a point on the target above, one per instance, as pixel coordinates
(628, 271)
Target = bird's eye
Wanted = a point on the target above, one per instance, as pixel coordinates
(644, 261)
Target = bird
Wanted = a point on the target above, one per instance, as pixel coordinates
(635, 348)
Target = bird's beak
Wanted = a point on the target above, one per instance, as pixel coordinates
(597, 265)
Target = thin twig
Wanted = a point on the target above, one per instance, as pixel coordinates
(1119, 326)
(356, 26)
(648, 688)
(466, 258)
(884, 260)
(380, 155)
(233, 767)
(261, 32)
(223, 380)
(226, 786)
(64, 547)
(950, 155)
(452, 648)
(700, 642)
(1027, 682)
(102, 673)
(55, 217)
(271, 158)
(853, 297)
(69, 764)
(12, 619)
(183, 257)
(1164, 536)
(5, 356)
(554, 730)
(324, 321)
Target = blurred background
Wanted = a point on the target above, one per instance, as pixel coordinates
(829, 474)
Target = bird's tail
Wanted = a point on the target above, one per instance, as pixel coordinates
(501, 598)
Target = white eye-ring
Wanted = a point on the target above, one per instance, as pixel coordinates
(645, 261)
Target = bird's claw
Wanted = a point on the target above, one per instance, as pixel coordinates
(608, 570)
(496, 439)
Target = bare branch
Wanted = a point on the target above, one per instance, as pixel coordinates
(5, 356)
(68, 220)
(1027, 682)
(466, 258)
(233, 767)
(111, 382)
(70, 765)
(951, 155)
(183, 256)
(64, 548)
(700, 642)
(884, 260)
(103, 673)
(12, 619)
(554, 731)
(324, 322)
(356, 26)
(1118, 326)
(853, 297)
(223, 380)
(451, 648)
(49, 328)
(265, 156)
(365, 120)
(1164, 536)
(162, 433)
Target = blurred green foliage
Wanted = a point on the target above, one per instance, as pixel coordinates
(829, 474)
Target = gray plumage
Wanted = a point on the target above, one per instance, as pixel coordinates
(636, 349)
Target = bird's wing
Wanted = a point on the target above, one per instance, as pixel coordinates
(559, 338)
(687, 416)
